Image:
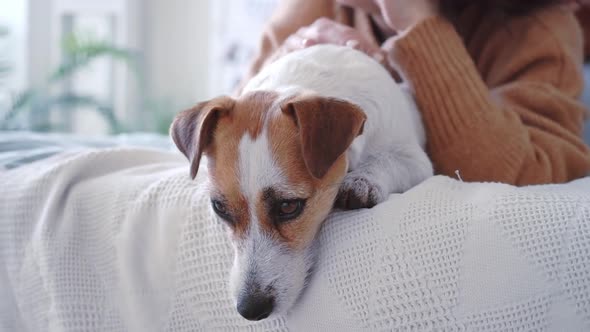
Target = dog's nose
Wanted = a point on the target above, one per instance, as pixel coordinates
(255, 307)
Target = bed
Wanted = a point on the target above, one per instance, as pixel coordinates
(112, 235)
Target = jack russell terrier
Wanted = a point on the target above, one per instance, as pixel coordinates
(321, 127)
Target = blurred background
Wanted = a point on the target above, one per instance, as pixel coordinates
(114, 66)
(96, 67)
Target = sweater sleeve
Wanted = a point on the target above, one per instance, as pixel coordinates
(519, 122)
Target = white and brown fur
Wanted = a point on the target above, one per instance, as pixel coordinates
(327, 125)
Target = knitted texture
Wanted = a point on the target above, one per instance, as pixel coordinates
(123, 240)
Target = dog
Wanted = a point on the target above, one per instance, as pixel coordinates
(320, 127)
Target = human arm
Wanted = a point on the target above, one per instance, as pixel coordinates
(519, 124)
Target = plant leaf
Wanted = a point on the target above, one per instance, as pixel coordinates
(80, 53)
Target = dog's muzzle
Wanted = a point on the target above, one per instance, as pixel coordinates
(255, 305)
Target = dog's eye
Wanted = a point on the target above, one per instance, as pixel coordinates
(221, 209)
(289, 209)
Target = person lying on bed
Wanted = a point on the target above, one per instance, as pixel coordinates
(497, 81)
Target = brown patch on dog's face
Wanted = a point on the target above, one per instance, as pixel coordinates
(271, 184)
(247, 118)
(265, 153)
(257, 114)
(319, 194)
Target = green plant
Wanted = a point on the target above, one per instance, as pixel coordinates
(39, 102)
(32, 109)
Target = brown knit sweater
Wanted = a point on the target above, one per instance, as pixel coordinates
(498, 95)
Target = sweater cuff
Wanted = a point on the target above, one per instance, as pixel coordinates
(448, 89)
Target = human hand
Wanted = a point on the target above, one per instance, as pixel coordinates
(400, 15)
(326, 31)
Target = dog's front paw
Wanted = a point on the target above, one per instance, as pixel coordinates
(357, 192)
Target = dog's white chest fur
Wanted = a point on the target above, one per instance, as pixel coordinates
(344, 73)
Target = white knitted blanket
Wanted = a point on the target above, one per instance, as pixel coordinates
(122, 240)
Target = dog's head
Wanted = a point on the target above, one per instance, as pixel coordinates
(275, 165)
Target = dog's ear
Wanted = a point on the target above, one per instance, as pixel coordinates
(327, 127)
(192, 130)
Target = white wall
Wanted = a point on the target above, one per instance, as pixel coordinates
(13, 15)
(38, 40)
(237, 28)
(176, 35)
